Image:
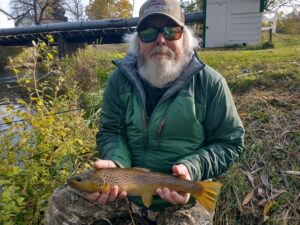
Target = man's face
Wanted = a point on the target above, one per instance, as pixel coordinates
(157, 50)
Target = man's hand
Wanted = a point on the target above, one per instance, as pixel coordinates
(173, 196)
(104, 197)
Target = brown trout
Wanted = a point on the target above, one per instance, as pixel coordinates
(142, 182)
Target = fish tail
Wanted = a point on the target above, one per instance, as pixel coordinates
(207, 194)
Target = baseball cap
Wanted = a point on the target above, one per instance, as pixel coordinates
(169, 8)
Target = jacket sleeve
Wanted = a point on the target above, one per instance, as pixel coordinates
(224, 135)
(111, 138)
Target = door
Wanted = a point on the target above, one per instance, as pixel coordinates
(216, 24)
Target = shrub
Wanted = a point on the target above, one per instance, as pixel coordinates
(49, 142)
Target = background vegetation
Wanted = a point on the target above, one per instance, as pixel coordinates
(53, 139)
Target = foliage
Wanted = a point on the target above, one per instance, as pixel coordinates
(191, 6)
(89, 69)
(49, 141)
(289, 24)
(108, 9)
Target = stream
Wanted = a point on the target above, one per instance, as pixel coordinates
(10, 90)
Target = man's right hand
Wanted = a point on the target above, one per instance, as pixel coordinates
(104, 197)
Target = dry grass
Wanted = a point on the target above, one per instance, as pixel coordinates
(257, 190)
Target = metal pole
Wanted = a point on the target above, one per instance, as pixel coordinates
(86, 25)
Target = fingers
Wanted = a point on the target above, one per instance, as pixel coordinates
(104, 164)
(181, 170)
(105, 197)
(122, 195)
(93, 196)
(113, 193)
(172, 196)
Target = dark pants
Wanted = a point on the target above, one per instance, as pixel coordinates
(68, 206)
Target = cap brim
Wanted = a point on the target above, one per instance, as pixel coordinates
(180, 23)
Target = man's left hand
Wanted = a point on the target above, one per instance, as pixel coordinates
(172, 196)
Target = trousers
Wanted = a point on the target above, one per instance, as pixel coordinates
(68, 206)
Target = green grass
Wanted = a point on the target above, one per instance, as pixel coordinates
(266, 89)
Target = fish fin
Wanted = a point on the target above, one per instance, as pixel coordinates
(207, 194)
(106, 188)
(147, 199)
(141, 169)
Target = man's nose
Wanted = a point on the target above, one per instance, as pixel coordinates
(160, 40)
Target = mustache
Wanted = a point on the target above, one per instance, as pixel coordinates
(162, 50)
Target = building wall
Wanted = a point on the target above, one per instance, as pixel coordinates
(244, 22)
(6, 21)
(233, 22)
(244, 28)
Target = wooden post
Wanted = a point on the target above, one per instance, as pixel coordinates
(270, 35)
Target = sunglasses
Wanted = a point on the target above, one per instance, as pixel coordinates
(170, 33)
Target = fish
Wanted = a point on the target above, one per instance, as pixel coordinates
(142, 182)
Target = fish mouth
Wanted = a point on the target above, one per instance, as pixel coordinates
(70, 182)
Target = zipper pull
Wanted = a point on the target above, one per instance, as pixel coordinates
(162, 122)
(144, 119)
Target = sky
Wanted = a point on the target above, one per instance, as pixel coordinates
(4, 4)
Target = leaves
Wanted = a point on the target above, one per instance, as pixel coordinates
(248, 198)
(266, 209)
(38, 154)
(108, 9)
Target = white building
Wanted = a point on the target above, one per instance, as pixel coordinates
(6, 20)
(229, 22)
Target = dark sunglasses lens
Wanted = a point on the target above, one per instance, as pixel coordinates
(149, 34)
(172, 33)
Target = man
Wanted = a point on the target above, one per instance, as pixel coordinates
(163, 110)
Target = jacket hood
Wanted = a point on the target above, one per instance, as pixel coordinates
(128, 66)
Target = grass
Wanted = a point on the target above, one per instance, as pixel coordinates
(266, 89)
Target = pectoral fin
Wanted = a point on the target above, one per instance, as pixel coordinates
(147, 199)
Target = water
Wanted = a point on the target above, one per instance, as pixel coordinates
(9, 90)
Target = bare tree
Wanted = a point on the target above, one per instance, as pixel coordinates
(74, 9)
(271, 5)
(191, 5)
(35, 9)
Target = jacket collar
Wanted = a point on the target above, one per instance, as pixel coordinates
(128, 66)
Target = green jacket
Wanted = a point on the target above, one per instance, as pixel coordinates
(194, 123)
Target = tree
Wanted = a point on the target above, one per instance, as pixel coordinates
(270, 5)
(74, 9)
(191, 6)
(38, 10)
(289, 24)
(108, 9)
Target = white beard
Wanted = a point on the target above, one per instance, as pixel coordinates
(161, 73)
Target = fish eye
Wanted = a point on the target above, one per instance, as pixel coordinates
(78, 179)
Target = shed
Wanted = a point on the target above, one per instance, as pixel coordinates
(229, 22)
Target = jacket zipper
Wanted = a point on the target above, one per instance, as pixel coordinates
(146, 138)
(160, 128)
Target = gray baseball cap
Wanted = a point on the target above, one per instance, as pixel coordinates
(169, 8)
